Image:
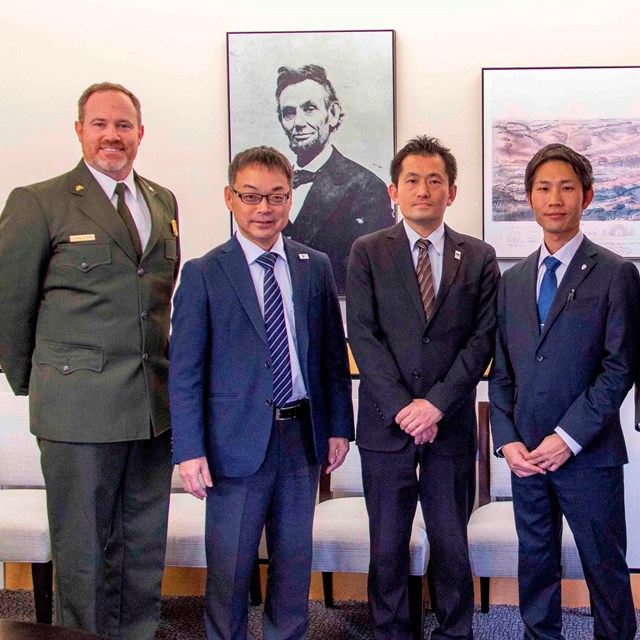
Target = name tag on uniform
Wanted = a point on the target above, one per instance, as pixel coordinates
(85, 237)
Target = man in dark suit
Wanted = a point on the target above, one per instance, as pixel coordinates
(336, 199)
(88, 261)
(260, 397)
(421, 321)
(566, 355)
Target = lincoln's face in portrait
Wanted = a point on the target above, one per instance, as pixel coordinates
(308, 110)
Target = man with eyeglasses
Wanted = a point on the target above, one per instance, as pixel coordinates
(260, 397)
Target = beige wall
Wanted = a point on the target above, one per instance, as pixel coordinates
(173, 55)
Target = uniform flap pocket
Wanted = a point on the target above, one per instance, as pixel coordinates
(68, 358)
(171, 249)
(84, 256)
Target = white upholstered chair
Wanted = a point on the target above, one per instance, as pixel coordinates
(24, 528)
(341, 535)
(493, 542)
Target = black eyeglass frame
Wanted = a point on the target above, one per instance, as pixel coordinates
(242, 197)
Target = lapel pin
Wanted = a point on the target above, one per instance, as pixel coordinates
(79, 187)
(303, 256)
(174, 228)
(150, 187)
(583, 267)
(457, 255)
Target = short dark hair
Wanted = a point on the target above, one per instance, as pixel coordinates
(107, 86)
(292, 75)
(561, 152)
(425, 146)
(265, 156)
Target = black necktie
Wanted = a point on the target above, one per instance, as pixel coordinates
(302, 176)
(127, 218)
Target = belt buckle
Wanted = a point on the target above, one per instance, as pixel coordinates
(287, 413)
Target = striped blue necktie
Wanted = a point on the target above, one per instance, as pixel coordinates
(276, 331)
(548, 287)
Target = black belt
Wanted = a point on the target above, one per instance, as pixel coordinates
(292, 411)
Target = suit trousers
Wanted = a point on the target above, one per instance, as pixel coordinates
(592, 500)
(280, 496)
(108, 505)
(445, 486)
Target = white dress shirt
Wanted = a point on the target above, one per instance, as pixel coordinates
(134, 199)
(300, 194)
(283, 277)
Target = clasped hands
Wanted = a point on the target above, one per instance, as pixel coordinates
(550, 455)
(420, 420)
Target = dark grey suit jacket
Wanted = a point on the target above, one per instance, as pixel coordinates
(83, 327)
(400, 355)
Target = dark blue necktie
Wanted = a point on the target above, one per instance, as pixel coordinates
(276, 331)
(548, 287)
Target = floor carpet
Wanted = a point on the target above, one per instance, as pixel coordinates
(348, 620)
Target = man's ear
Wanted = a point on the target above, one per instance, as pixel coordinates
(334, 114)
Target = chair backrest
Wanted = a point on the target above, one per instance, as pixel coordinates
(346, 480)
(494, 476)
(19, 452)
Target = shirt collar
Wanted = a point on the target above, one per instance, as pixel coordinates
(564, 254)
(318, 162)
(436, 237)
(252, 251)
(108, 184)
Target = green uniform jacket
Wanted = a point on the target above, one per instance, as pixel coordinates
(84, 327)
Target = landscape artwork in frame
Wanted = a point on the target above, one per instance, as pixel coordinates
(326, 99)
(593, 110)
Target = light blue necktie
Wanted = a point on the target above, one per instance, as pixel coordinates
(276, 331)
(548, 287)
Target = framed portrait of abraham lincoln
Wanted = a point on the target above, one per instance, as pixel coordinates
(326, 99)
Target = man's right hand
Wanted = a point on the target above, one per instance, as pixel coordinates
(190, 472)
(514, 453)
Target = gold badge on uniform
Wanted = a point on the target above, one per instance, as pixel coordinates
(79, 187)
(174, 228)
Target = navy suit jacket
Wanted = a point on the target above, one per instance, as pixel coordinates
(345, 202)
(220, 380)
(401, 356)
(576, 373)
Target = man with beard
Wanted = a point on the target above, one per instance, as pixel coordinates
(336, 200)
(88, 261)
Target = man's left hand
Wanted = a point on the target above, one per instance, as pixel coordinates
(551, 454)
(338, 449)
(418, 418)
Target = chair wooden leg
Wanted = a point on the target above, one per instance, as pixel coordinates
(327, 587)
(484, 594)
(255, 589)
(42, 574)
(415, 606)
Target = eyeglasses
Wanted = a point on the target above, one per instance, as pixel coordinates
(256, 198)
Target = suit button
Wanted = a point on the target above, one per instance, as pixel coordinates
(268, 402)
(143, 315)
(141, 272)
(540, 358)
(426, 340)
(267, 364)
(84, 266)
(145, 356)
(416, 375)
(66, 368)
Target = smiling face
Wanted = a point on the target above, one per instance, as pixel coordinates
(306, 118)
(558, 200)
(261, 223)
(423, 192)
(110, 133)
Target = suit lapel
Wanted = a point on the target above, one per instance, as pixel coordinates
(155, 210)
(300, 285)
(398, 245)
(451, 258)
(94, 204)
(578, 269)
(234, 264)
(528, 301)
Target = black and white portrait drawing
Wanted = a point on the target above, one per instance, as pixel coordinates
(326, 100)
